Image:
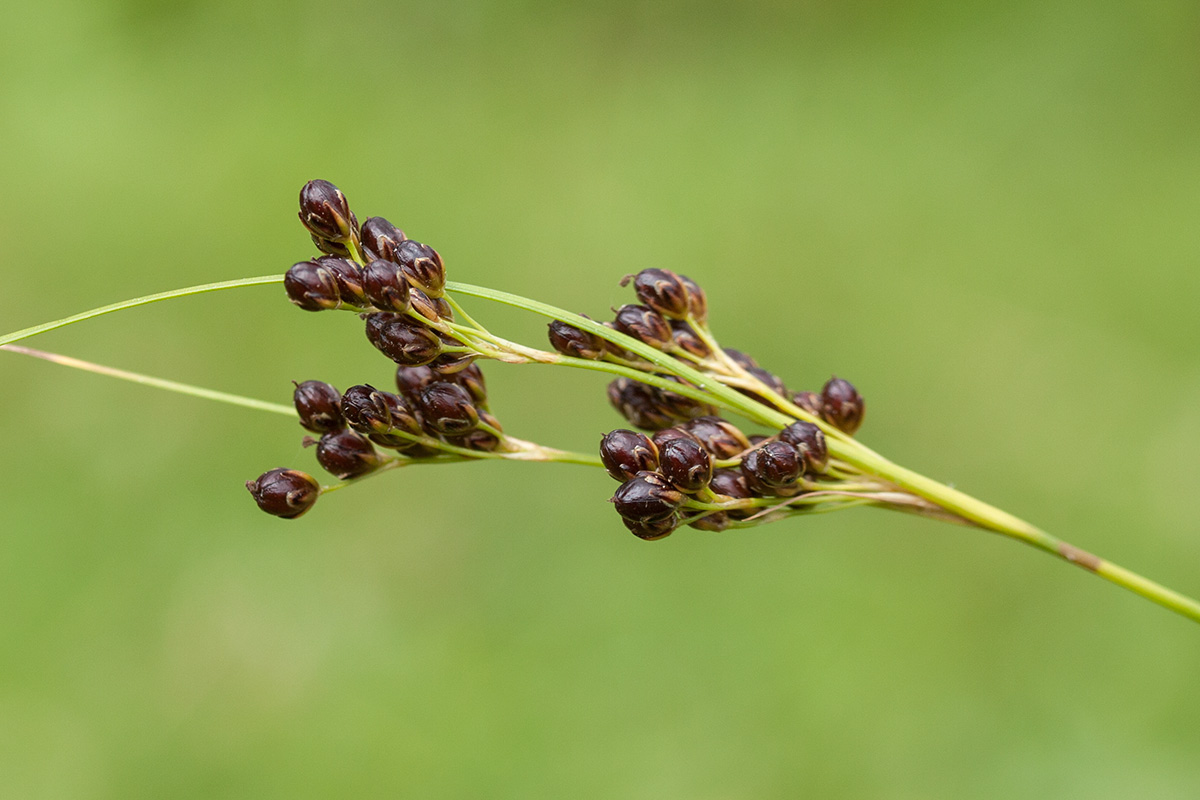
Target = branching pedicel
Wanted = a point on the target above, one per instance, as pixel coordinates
(672, 379)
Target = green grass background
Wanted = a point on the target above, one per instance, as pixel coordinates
(985, 214)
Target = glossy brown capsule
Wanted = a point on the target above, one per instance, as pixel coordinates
(402, 340)
(571, 341)
(644, 324)
(319, 406)
(625, 453)
(686, 464)
(380, 238)
(312, 287)
(411, 380)
(423, 266)
(663, 291)
(647, 497)
(810, 441)
(366, 410)
(667, 434)
(775, 465)
(730, 484)
(809, 401)
(720, 437)
(286, 493)
(687, 340)
(652, 531)
(446, 408)
(346, 454)
(385, 286)
(842, 406)
(697, 300)
(325, 211)
(349, 280)
(431, 308)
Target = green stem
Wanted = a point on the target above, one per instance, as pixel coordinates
(147, 380)
(137, 301)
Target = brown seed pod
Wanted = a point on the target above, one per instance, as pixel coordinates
(346, 454)
(625, 453)
(647, 497)
(809, 440)
(286, 493)
(571, 341)
(325, 211)
(644, 324)
(380, 239)
(686, 464)
(842, 406)
(385, 286)
(319, 406)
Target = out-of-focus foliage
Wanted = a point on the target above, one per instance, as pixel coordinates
(982, 214)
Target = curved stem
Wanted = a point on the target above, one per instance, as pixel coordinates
(17, 336)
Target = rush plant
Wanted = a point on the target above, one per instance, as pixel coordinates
(689, 464)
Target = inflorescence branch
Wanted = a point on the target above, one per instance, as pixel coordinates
(685, 465)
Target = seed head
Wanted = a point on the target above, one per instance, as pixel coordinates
(686, 339)
(650, 531)
(326, 213)
(663, 291)
(411, 380)
(660, 438)
(385, 286)
(423, 266)
(842, 405)
(697, 300)
(571, 341)
(380, 239)
(319, 406)
(809, 401)
(312, 286)
(432, 309)
(346, 454)
(647, 497)
(625, 453)
(402, 340)
(447, 409)
(644, 324)
(809, 440)
(773, 466)
(720, 437)
(686, 464)
(285, 493)
(729, 484)
(349, 280)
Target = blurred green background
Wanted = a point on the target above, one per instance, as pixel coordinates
(983, 214)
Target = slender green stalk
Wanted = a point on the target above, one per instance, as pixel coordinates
(147, 380)
(138, 301)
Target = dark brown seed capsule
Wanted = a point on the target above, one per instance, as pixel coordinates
(285, 493)
(647, 497)
(686, 464)
(329, 248)
(746, 361)
(346, 454)
(349, 280)
(663, 291)
(402, 420)
(325, 212)
(772, 381)
(809, 401)
(720, 437)
(380, 238)
(842, 405)
(571, 341)
(637, 403)
(423, 266)
(686, 339)
(411, 380)
(730, 484)
(775, 465)
(697, 300)
(717, 521)
(667, 434)
(432, 309)
(366, 410)
(471, 379)
(481, 440)
(625, 453)
(403, 340)
(447, 409)
(652, 531)
(809, 440)
(319, 406)
(385, 286)
(312, 287)
(644, 324)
